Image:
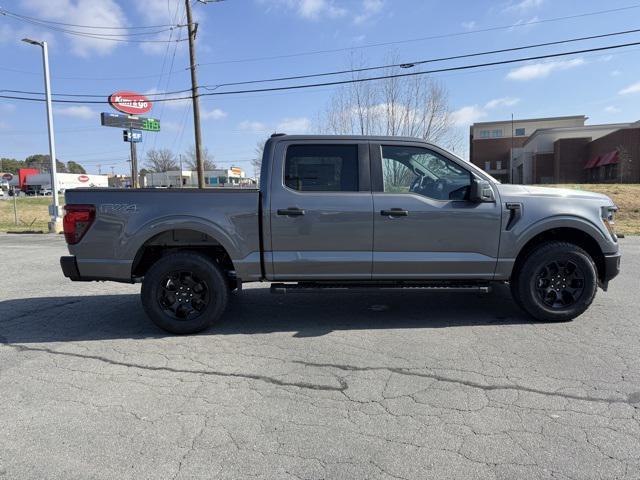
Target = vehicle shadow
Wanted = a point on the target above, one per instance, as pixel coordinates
(256, 310)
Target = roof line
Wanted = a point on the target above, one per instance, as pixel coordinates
(529, 120)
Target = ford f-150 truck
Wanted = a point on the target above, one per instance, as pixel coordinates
(345, 212)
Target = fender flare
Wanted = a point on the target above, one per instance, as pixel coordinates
(158, 226)
(563, 221)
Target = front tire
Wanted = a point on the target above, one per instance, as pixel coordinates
(184, 293)
(556, 282)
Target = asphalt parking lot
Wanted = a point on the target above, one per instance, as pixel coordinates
(404, 385)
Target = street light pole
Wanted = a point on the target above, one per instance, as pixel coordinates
(55, 226)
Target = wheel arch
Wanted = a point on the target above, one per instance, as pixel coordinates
(180, 238)
(569, 234)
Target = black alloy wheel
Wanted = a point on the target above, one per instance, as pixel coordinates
(183, 295)
(185, 292)
(555, 281)
(560, 283)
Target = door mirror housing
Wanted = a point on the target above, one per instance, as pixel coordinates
(481, 191)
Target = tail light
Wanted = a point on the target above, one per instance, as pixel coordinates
(76, 222)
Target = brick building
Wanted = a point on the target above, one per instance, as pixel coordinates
(491, 143)
(558, 150)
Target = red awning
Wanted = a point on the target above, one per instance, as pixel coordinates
(592, 163)
(608, 159)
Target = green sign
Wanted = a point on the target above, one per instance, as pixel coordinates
(151, 125)
(129, 122)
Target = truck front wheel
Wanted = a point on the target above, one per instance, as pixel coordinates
(556, 282)
(184, 293)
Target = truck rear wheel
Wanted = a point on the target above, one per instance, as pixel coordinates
(556, 282)
(184, 293)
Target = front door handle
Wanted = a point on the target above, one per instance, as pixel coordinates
(395, 212)
(290, 212)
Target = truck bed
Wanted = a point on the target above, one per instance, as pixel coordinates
(128, 219)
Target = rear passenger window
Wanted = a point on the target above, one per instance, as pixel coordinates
(322, 168)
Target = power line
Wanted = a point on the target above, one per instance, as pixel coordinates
(60, 77)
(409, 64)
(100, 27)
(420, 39)
(421, 62)
(95, 36)
(358, 80)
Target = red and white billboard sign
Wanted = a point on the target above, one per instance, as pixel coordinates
(130, 102)
(7, 176)
(83, 178)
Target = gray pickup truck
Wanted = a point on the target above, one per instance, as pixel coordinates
(345, 212)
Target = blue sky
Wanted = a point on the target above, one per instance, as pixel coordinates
(235, 36)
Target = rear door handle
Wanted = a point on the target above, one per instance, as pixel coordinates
(395, 212)
(290, 212)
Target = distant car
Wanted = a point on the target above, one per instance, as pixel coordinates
(45, 191)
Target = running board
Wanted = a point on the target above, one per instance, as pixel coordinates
(310, 287)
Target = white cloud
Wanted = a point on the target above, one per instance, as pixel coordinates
(524, 5)
(634, 88)
(215, 114)
(6, 33)
(169, 126)
(80, 111)
(543, 70)
(370, 8)
(7, 108)
(467, 115)
(257, 127)
(470, 25)
(83, 12)
(294, 125)
(524, 24)
(615, 73)
(501, 102)
(612, 109)
(310, 9)
(165, 12)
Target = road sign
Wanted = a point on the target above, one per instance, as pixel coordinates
(129, 122)
(7, 176)
(130, 102)
(83, 178)
(132, 136)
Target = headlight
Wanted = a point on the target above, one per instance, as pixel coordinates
(608, 214)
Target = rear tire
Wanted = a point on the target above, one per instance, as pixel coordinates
(184, 293)
(556, 282)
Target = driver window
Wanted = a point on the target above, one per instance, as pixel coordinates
(422, 171)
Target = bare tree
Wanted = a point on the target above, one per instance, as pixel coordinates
(256, 162)
(414, 106)
(161, 160)
(207, 158)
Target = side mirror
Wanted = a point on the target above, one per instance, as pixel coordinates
(481, 191)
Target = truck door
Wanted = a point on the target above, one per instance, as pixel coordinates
(321, 211)
(425, 226)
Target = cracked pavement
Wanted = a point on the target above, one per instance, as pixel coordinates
(312, 386)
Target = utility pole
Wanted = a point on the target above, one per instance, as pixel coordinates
(180, 157)
(55, 226)
(134, 161)
(511, 154)
(192, 29)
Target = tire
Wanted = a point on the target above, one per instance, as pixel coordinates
(556, 282)
(184, 293)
